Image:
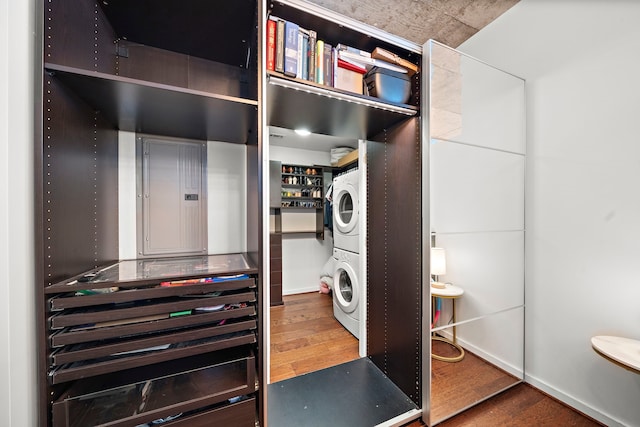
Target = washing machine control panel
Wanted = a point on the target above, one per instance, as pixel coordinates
(345, 256)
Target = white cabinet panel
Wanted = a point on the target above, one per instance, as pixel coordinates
(487, 104)
(494, 345)
(489, 267)
(475, 189)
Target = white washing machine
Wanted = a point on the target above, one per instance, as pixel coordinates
(347, 290)
(346, 211)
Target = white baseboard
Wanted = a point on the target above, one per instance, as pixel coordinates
(541, 385)
(574, 403)
(507, 367)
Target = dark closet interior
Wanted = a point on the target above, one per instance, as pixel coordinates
(139, 341)
(193, 70)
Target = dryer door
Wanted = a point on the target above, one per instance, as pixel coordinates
(345, 286)
(345, 208)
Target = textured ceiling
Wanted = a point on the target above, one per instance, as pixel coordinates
(450, 22)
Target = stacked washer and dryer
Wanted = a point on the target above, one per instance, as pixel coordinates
(347, 289)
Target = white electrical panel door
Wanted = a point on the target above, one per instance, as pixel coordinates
(173, 197)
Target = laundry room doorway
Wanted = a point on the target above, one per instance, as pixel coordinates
(304, 333)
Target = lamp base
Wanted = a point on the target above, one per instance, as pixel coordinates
(438, 285)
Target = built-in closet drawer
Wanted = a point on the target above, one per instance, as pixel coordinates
(149, 308)
(194, 391)
(235, 415)
(137, 292)
(138, 324)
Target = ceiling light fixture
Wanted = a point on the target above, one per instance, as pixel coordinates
(303, 132)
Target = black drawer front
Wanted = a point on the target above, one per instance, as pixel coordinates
(75, 335)
(95, 367)
(123, 295)
(199, 394)
(241, 414)
(148, 309)
(100, 349)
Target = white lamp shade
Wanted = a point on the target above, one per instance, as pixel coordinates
(438, 262)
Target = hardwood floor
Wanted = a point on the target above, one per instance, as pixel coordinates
(455, 386)
(305, 337)
(521, 405)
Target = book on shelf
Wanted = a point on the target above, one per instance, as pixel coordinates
(305, 54)
(279, 45)
(353, 50)
(334, 65)
(369, 63)
(291, 30)
(349, 77)
(328, 65)
(313, 37)
(385, 55)
(351, 66)
(271, 44)
(299, 54)
(319, 61)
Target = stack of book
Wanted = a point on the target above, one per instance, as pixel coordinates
(299, 53)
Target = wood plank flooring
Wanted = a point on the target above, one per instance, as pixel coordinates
(522, 405)
(455, 386)
(305, 337)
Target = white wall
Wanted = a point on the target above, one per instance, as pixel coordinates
(127, 195)
(18, 396)
(303, 256)
(226, 196)
(582, 200)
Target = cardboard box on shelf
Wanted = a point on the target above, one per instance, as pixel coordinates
(348, 159)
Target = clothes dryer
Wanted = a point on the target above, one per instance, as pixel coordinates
(347, 290)
(346, 211)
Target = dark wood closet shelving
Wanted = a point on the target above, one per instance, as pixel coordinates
(187, 70)
(141, 351)
(154, 108)
(295, 104)
(146, 328)
(222, 33)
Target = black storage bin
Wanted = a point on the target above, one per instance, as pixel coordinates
(388, 85)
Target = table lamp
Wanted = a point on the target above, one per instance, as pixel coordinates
(438, 266)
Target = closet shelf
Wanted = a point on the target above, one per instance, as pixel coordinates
(146, 273)
(141, 106)
(195, 29)
(325, 110)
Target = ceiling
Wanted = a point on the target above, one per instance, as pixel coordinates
(449, 22)
(315, 142)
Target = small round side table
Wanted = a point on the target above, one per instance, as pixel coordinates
(624, 352)
(448, 292)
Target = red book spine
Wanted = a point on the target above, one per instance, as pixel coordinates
(349, 66)
(271, 45)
